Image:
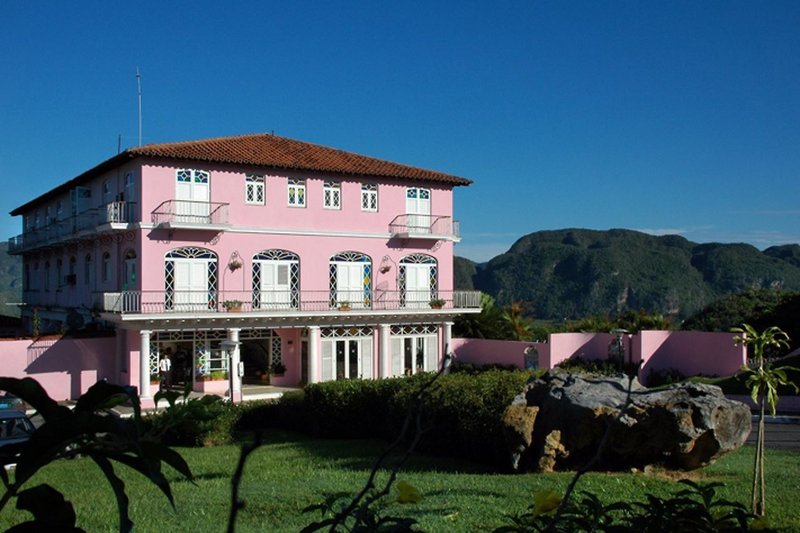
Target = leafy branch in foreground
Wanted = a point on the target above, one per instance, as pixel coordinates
(88, 430)
(695, 508)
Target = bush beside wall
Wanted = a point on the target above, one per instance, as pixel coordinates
(461, 413)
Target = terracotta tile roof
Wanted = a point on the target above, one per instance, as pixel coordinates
(260, 149)
(274, 151)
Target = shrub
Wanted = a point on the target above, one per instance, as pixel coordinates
(205, 421)
(596, 367)
(461, 415)
(664, 376)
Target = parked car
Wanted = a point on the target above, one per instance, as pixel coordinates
(9, 401)
(15, 429)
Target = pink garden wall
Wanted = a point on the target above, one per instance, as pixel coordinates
(690, 352)
(66, 368)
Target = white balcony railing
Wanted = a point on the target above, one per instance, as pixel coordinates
(190, 214)
(61, 230)
(424, 227)
(158, 302)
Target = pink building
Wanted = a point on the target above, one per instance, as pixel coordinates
(275, 253)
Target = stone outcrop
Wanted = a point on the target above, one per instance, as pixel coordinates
(558, 422)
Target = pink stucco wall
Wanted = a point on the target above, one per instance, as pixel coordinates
(690, 352)
(66, 368)
(488, 351)
(564, 346)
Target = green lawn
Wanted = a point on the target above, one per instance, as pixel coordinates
(293, 471)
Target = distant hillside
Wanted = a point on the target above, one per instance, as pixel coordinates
(10, 281)
(574, 273)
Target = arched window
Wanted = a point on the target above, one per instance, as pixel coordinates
(417, 280)
(350, 280)
(190, 279)
(276, 280)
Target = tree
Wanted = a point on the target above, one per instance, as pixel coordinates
(486, 325)
(763, 380)
(518, 326)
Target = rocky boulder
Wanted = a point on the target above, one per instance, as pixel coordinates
(558, 422)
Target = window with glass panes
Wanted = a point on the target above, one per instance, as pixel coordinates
(369, 197)
(254, 189)
(331, 195)
(297, 193)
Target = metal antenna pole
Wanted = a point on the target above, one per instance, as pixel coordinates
(139, 87)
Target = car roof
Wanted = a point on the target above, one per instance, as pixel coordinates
(12, 413)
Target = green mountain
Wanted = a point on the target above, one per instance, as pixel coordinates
(573, 273)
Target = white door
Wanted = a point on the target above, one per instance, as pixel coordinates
(350, 284)
(418, 286)
(192, 193)
(191, 285)
(276, 288)
(418, 209)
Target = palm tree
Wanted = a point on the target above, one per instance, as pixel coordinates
(519, 327)
(763, 381)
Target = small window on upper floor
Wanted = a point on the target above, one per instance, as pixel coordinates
(107, 192)
(105, 271)
(331, 195)
(254, 189)
(60, 209)
(130, 187)
(297, 193)
(369, 197)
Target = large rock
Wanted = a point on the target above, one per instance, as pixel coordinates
(558, 422)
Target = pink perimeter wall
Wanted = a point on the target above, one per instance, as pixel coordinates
(487, 351)
(690, 352)
(66, 368)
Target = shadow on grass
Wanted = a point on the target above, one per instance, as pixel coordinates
(361, 454)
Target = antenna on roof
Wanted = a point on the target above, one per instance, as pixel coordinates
(119, 142)
(139, 90)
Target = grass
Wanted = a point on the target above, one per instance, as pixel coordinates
(292, 471)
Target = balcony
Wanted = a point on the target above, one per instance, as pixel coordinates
(260, 303)
(109, 217)
(432, 227)
(186, 214)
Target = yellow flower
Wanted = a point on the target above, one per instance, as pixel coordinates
(545, 501)
(407, 493)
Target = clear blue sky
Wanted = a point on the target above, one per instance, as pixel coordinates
(667, 117)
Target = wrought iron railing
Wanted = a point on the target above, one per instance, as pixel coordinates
(188, 212)
(60, 230)
(433, 226)
(157, 302)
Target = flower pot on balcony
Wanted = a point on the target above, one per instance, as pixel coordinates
(232, 306)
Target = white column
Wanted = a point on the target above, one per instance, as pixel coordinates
(447, 340)
(313, 353)
(144, 364)
(385, 351)
(233, 336)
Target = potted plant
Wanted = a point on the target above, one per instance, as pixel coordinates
(437, 303)
(277, 369)
(232, 306)
(344, 306)
(234, 265)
